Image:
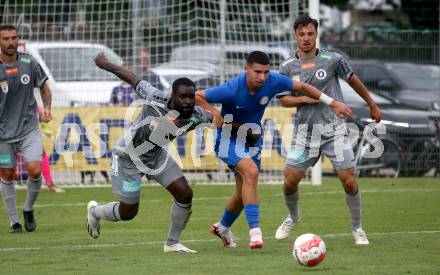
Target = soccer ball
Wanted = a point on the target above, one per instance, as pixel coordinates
(309, 249)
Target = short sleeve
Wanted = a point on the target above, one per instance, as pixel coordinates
(343, 70)
(222, 93)
(144, 89)
(39, 75)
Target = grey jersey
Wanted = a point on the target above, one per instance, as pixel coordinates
(154, 127)
(18, 107)
(322, 72)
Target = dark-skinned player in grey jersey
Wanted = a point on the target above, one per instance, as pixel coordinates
(142, 151)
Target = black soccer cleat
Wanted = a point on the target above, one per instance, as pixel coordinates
(29, 220)
(16, 228)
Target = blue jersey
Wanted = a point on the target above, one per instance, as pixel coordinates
(245, 107)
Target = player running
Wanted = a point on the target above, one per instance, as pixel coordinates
(141, 151)
(314, 121)
(238, 143)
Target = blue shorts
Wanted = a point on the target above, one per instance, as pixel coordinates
(232, 150)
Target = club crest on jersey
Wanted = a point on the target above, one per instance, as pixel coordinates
(25, 79)
(320, 74)
(264, 100)
(4, 86)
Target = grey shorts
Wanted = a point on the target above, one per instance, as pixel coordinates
(126, 176)
(336, 148)
(30, 147)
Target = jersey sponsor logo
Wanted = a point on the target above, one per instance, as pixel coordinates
(25, 79)
(308, 66)
(4, 86)
(326, 56)
(240, 107)
(264, 100)
(321, 74)
(26, 60)
(131, 186)
(13, 70)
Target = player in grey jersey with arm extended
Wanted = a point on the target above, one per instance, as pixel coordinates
(19, 74)
(142, 151)
(317, 129)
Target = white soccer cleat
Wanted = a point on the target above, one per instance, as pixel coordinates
(225, 235)
(284, 229)
(256, 237)
(92, 223)
(178, 247)
(359, 236)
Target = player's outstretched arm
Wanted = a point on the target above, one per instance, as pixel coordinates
(296, 101)
(339, 108)
(102, 62)
(362, 91)
(202, 102)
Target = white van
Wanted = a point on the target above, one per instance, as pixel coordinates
(74, 78)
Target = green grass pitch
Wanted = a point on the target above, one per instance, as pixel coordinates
(401, 218)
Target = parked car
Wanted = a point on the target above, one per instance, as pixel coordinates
(235, 56)
(409, 83)
(405, 126)
(74, 78)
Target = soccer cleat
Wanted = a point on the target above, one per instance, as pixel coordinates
(284, 229)
(178, 247)
(29, 220)
(16, 228)
(359, 236)
(92, 223)
(225, 236)
(256, 238)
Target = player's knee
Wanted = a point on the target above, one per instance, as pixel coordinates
(128, 213)
(251, 175)
(34, 171)
(185, 196)
(350, 184)
(7, 174)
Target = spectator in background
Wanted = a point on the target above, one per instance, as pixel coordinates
(122, 95)
(147, 74)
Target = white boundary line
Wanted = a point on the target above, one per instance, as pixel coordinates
(263, 196)
(111, 245)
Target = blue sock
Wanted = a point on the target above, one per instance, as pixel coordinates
(229, 218)
(252, 215)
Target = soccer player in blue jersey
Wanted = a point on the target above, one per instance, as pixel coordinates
(238, 143)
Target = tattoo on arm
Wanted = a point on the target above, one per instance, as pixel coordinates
(46, 95)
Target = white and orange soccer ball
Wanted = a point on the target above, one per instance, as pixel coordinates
(309, 249)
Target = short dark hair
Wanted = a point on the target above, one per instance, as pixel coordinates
(7, 28)
(304, 20)
(257, 57)
(183, 81)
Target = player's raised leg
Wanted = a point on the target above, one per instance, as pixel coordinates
(126, 183)
(353, 200)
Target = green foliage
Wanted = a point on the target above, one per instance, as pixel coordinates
(400, 217)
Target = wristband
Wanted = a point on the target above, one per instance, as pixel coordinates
(325, 99)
